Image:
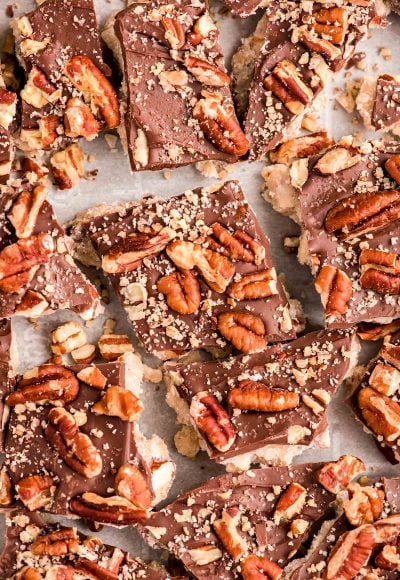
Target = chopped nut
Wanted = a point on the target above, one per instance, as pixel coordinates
(112, 346)
(67, 337)
(93, 377)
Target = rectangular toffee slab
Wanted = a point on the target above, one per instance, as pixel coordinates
(192, 272)
(266, 407)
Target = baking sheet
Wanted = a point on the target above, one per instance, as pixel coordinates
(115, 182)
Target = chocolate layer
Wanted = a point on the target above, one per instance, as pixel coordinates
(6, 371)
(386, 111)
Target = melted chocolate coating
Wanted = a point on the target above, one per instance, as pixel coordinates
(386, 110)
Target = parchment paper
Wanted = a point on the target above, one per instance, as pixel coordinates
(115, 182)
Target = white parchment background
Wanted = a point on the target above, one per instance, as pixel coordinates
(115, 182)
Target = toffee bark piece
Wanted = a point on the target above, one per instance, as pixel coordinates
(378, 102)
(192, 272)
(36, 549)
(67, 94)
(274, 402)
(76, 450)
(37, 272)
(232, 522)
(8, 106)
(376, 400)
(280, 70)
(346, 199)
(177, 104)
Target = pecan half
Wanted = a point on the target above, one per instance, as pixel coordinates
(227, 530)
(174, 32)
(365, 504)
(218, 122)
(239, 246)
(287, 84)
(244, 330)
(25, 210)
(125, 255)
(182, 291)
(336, 290)
(362, 213)
(119, 402)
(259, 568)
(253, 286)
(378, 331)
(75, 448)
(36, 491)
(389, 558)
(336, 475)
(290, 503)
(58, 543)
(392, 166)
(79, 120)
(331, 23)
(380, 282)
(131, 484)
(18, 260)
(106, 510)
(301, 147)
(6, 495)
(52, 384)
(87, 78)
(255, 396)
(206, 72)
(351, 553)
(93, 570)
(213, 421)
(385, 379)
(381, 414)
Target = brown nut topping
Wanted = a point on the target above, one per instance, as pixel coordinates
(392, 166)
(388, 529)
(112, 346)
(202, 29)
(336, 475)
(388, 558)
(67, 337)
(260, 568)
(218, 122)
(36, 491)
(32, 304)
(20, 258)
(381, 414)
(290, 503)
(331, 23)
(84, 354)
(79, 120)
(361, 213)
(253, 286)
(351, 553)
(58, 543)
(336, 290)
(29, 573)
(385, 379)
(317, 44)
(182, 291)
(206, 72)
(50, 383)
(378, 331)
(174, 32)
(6, 496)
(107, 510)
(227, 530)
(131, 484)
(244, 330)
(337, 159)
(301, 147)
(92, 569)
(213, 421)
(68, 166)
(380, 282)
(125, 255)
(87, 78)
(255, 396)
(25, 210)
(75, 448)
(239, 246)
(119, 402)
(287, 84)
(93, 377)
(365, 504)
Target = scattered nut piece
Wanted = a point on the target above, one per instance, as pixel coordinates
(67, 337)
(112, 346)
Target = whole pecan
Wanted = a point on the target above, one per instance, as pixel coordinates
(174, 32)
(207, 73)
(380, 282)
(106, 510)
(6, 495)
(227, 529)
(126, 254)
(119, 402)
(351, 553)
(365, 504)
(182, 291)
(25, 210)
(58, 543)
(381, 414)
(19, 258)
(362, 213)
(288, 85)
(336, 475)
(253, 286)
(50, 383)
(239, 246)
(255, 396)
(213, 421)
(131, 484)
(260, 568)
(244, 330)
(392, 166)
(219, 123)
(87, 78)
(317, 44)
(290, 503)
(74, 447)
(36, 491)
(335, 288)
(79, 120)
